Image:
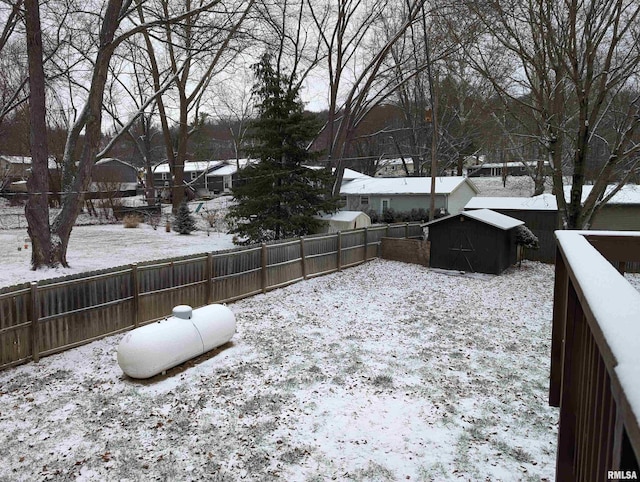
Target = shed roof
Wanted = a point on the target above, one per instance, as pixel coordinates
(486, 216)
(544, 202)
(493, 218)
(404, 185)
(348, 216)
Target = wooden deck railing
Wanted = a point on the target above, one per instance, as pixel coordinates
(47, 317)
(595, 357)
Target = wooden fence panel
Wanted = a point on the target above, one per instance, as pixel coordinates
(15, 326)
(352, 244)
(236, 274)
(72, 312)
(79, 309)
(283, 263)
(321, 254)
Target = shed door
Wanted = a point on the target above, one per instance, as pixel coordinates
(461, 251)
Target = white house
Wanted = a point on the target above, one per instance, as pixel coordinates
(403, 194)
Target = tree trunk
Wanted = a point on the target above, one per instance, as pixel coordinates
(37, 209)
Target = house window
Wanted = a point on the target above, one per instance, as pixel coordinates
(194, 175)
(364, 200)
(385, 203)
(164, 176)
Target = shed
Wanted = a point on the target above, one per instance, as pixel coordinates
(344, 220)
(481, 241)
(539, 213)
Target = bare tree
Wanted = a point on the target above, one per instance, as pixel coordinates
(346, 33)
(574, 68)
(50, 245)
(195, 53)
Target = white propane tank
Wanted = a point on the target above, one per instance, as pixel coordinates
(152, 349)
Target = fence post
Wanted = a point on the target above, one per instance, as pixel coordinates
(35, 318)
(366, 242)
(209, 274)
(136, 295)
(263, 260)
(386, 231)
(302, 259)
(406, 230)
(339, 250)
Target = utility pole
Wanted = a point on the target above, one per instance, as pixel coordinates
(431, 116)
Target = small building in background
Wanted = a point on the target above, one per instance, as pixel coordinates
(497, 169)
(480, 241)
(344, 220)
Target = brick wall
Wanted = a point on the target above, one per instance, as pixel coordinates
(406, 250)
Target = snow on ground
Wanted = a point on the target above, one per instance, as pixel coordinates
(93, 247)
(385, 371)
(516, 186)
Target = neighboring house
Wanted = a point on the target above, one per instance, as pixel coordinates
(394, 167)
(195, 175)
(621, 213)
(496, 169)
(403, 194)
(14, 169)
(539, 213)
(113, 177)
(480, 241)
(344, 220)
(221, 179)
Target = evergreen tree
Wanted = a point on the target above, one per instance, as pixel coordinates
(183, 221)
(278, 197)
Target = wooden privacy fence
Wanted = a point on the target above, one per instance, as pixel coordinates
(43, 318)
(595, 359)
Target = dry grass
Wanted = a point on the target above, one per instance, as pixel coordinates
(131, 221)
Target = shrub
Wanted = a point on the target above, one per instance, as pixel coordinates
(183, 222)
(131, 221)
(388, 216)
(524, 237)
(375, 217)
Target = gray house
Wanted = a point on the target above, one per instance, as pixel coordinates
(195, 175)
(403, 194)
(112, 177)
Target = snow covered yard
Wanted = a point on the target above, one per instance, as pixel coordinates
(99, 246)
(385, 371)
